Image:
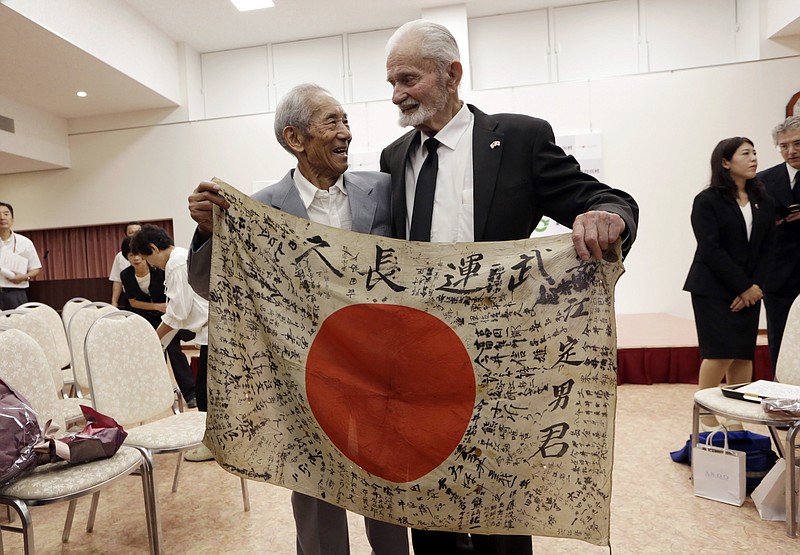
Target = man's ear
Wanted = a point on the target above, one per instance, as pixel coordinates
(154, 249)
(293, 138)
(454, 74)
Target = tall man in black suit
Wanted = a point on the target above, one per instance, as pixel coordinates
(493, 178)
(783, 282)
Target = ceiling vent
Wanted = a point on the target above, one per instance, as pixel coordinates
(6, 124)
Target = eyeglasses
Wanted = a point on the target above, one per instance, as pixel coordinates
(784, 147)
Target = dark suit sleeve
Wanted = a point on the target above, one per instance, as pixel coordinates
(706, 225)
(766, 248)
(564, 191)
(199, 265)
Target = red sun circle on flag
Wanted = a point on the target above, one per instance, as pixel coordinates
(393, 388)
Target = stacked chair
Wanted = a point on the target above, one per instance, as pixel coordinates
(36, 327)
(24, 366)
(49, 315)
(130, 381)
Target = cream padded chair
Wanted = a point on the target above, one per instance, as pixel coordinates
(712, 401)
(130, 382)
(69, 309)
(79, 323)
(35, 327)
(56, 324)
(24, 366)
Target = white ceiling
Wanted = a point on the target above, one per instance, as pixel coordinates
(41, 70)
(213, 25)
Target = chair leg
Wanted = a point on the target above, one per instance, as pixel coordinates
(776, 440)
(245, 495)
(92, 512)
(177, 471)
(26, 524)
(150, 502)
(791, 481)
(68, 523)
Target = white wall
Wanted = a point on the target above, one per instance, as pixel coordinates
(658, 132)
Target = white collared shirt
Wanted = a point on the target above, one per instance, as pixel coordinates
(329, 207)
(454, 182)
(21, 246)
(186, 310)
(792, 172)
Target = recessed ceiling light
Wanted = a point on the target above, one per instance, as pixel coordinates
(249, 5)
(82, 94)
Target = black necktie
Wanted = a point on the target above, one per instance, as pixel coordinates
(423, 194)
(796, 188)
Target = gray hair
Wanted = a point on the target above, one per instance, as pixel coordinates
(789, 124)
(295, 110)
(434, 42)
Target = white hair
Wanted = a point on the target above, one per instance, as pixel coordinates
(434, 42)
(295, 110)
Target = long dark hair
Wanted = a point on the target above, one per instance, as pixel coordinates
(721, 179)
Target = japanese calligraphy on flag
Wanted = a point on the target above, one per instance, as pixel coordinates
(466, 386)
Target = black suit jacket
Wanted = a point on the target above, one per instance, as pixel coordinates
(787, 234)
(519, 175)
(725, 263)
(155, 295)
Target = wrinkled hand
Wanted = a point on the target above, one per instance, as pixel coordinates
(747, 298)
(594, 231)
(201, 206)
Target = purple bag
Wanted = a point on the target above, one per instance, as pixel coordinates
(99, 439)
(19, 433)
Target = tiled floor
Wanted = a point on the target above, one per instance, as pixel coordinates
(653, 507)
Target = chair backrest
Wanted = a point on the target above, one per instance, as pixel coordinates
(70, 308)
(127, 369)
(79, 324)
(51, 317)
(39, 331)
(24, 367)
(788, 366)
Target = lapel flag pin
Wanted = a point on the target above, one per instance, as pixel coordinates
(494, 144)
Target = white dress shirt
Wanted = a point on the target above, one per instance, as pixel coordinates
(453, 219)
(329, 207)
(186, 310)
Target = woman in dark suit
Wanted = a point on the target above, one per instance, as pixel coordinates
(733, 221)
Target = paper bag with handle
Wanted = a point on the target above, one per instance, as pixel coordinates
(718, 473)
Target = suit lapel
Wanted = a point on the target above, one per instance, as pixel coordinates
(397, 167)
(487, 152)
(761, 224)
(286, 198)
(362, 203)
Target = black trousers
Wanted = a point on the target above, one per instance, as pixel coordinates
(12, 297)
(428, 542)
(777, 312)
(202, 378)
(180, 364)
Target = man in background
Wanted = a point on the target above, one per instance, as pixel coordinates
(19, 262)
(783, 282)
(312, 126)
(119, 264)
(462, 175)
